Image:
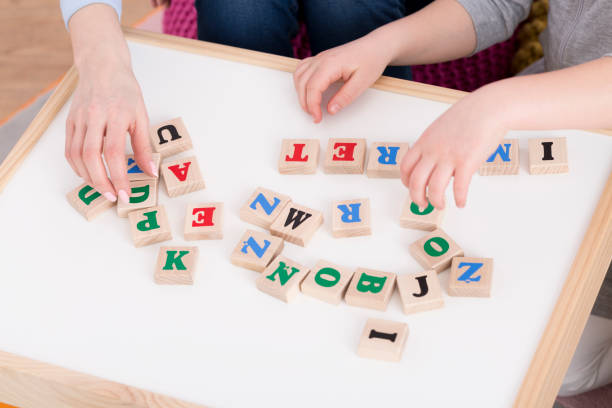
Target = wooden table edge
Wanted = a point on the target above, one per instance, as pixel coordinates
(29, 378)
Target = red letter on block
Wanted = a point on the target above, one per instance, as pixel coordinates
(345, 151)
(297, 153)
(203, 217)
(180, 172)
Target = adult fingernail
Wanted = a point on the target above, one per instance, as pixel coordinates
(334, 108)
(153, 168)
(110, 196)
(124, 197)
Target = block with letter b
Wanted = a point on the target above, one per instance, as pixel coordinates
(415, 217)
(282, 279)
(297, 224)
(170, 137)
(420, 291)
(299, 156)
(263, 207)
(149, 225)
(176, 265)
(435, 250)
(370, 288)
(182, 176)
(143, 194)
(385, 158)
(471, 277)
(548, 155)
(204, 221)
(383, 340)
(504, 160)
(255, 250)
(327, 281)
(88, 202)
(345, 156)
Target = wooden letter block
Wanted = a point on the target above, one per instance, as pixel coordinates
(88, 202)
(204, 221)
(327, 282)
(426, 219)
(182, 176)
(420, 291)
(345, 156)
(471, 277)
(143, 195)
(504, 160)
(383, 340)
(548, 155)
(134, 172)
(299, 156)
(435, 251)
(149, 226)
(370, 288)
(256, 250)
(263, 207)
(282, 279)
(385, 159)
(297, 224)
(170, 137)
(176, 265)
(351, 218)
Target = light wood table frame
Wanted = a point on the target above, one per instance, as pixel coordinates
(28, 383)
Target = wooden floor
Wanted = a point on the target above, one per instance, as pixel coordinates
(35, 47)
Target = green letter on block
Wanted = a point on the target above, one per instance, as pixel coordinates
(172, 259)
(88, 199)
(144, 194)
(369, 283)
(283, 273)
(327, 283)
(150, 223)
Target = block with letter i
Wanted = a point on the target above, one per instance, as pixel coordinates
(548, 155)
(149, 225)
(88, 202)
(263, 207)
(351, 218)
(415, 217)
(471, 277)
(370, 288)
(504, 160)
(299, 156)
(435, 251)
(182, 176)
(170, 137)
(255, 250)
(420, 291)
(383, 340)
(327, 282)
(176, 265)
(282, 279)
(345, 156)
(297, 224)
(134, 172)
(143, 194)
(204, 221)
(385, 158)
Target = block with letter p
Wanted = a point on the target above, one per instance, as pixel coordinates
(149, 225)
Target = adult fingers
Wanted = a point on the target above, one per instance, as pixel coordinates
(92, 158)
(438, 182)
(76, 149)
(317, 84)
(141, 145)
(419, 180)
(114, 154)
(301, 85)
(68, 143)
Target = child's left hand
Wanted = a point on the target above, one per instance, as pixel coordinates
(455, 144)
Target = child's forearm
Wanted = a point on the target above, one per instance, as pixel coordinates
(440, 32)
(578, 97)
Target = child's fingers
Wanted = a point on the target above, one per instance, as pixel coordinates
(419, 180)
(76, 149)
(141, 145)
(301, 68)
(92, 158)
(461, 183)
(68, 143)
(301, 86)
(410, 159)
(351, 89)
(320, 80)
(438, 182)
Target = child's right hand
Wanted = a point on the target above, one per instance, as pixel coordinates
(359, 63)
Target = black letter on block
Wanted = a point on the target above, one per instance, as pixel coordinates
(296, 219)
(547, 151)
(173, 133)
(378, 335)
(422, 285)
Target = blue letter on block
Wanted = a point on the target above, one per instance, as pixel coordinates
(134, 169)
(258, 250)
(505, 155)
(472, 268)
(265, 204)
(388, 155)
(351, 215)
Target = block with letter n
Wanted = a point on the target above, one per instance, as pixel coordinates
(345, 156)
(282, 278)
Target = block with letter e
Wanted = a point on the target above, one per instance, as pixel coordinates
(204, 221)
(176, 265)
(370, 288)
(255, 250)
(345, 156)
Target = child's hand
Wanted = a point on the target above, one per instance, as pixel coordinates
(107, 105)
(456, 143)
(359, 63)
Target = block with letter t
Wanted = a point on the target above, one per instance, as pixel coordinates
(282, 279)
(299, 156)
